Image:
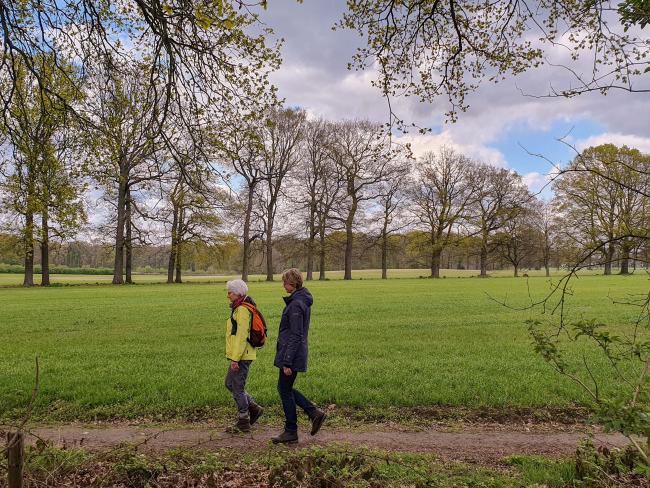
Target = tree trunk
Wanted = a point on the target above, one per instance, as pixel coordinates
(609, 256)
(172, 250)
(269, 248)
(247, 230)
(118, 267)
(321, 264)
(348, 252)
(547, 253)
(435, 262)
(129, 243)
(310, 256)
(311, 238)
(28, 242)
(483, 259)
(625, 260)
(384, 255)
(45, 248)
(179, 273)
(310, 259)
(349, 236)
(516, 266)
(179, 245)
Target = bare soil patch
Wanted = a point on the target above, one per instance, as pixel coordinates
(476, 443)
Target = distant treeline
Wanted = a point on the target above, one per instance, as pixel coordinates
(405, 251)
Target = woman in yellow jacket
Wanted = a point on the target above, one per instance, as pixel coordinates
(241, 354)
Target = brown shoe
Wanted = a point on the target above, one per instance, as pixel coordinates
(255, 412)
(243, 424)
(285, 438)
(317, 420)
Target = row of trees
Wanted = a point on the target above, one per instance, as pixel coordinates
(277, 182)
(177, 136)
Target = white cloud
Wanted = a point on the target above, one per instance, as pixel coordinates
(315, 77)
(636, 142)
(421, 144)
(535, 181)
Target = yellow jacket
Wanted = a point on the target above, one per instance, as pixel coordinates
(237, 346)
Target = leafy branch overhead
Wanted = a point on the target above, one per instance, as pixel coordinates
(446, 48)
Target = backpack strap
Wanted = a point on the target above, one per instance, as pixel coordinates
(233, 322)
(252, 309)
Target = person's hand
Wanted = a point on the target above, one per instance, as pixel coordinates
(287, 371)
(234, 365)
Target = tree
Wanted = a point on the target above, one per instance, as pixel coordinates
(238, 143)
(602, 199)
(315, 170)
(280, 136)
(364, 158)
(623, 345)
(519, 238)
(203, 51)
(391, 202)
(38, 183)
(500, 194)
(442, 192)
(122, 143)
(546, 222)
(431, 48)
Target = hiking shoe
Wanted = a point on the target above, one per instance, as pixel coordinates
(243, 424)
(317, 420)
(285, 438)
(255, 412)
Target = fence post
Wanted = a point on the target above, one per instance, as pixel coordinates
(15, 452)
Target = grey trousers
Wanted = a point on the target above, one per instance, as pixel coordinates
(236, 383)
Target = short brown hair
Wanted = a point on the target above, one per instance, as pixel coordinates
(292, 276)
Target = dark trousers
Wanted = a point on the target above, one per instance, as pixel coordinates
(290, 398)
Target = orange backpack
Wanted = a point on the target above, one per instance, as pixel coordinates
(257, 335)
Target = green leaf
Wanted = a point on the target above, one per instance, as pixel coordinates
(202, 20)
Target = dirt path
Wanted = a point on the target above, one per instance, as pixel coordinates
(476, 443)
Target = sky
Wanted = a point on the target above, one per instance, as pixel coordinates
(504, 125)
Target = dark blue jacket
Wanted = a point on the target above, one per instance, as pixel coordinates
(291, 351)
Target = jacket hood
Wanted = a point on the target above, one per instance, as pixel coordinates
(301, 295)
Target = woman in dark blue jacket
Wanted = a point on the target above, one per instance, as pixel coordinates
(291, 356)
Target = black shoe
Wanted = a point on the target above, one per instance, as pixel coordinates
(317, 420)
(285, 438)
(255, 412)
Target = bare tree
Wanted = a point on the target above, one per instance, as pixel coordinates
(545, 220)
(280, 136)
(498, 198)
(316, 188)
(391, 202)
(442, 191)
(330, 197)
(518, 241)
(238, 143)
(123, 143)
(364, 158)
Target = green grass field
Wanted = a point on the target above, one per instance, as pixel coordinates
(158, 349)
